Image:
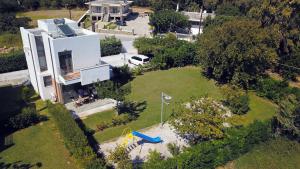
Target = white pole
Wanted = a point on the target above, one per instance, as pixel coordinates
(162, 108)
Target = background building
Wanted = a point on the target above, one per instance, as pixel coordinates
(105, 10)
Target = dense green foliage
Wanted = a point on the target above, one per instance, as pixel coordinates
(110, 46)
(208, 117)
(26, 118)
(120, 156)
(236, 99)
(167, 52)
(12, 62)
(9, 23)
(74, 138)
(110, 89)
(287, 121)
(284, 14)
(168, 20)
(211, 154)
(275, 90)
(241, 53)
(11, 103)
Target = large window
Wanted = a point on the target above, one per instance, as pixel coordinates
(41, 53)
(65, 62)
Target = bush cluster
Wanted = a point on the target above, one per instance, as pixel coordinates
(110, 46)
(236, 99)
(26, 118)
(109, 89)
(167, 52)
(275, 90)
(74, 138)
(211, 154)
(12, 62)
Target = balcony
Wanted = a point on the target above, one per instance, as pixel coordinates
(87, 75)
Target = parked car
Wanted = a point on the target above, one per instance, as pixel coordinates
(138, 59)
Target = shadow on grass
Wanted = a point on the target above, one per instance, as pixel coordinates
(20, 165)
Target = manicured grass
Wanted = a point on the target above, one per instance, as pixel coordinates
(39, 143)
(47, 14)
(93, 120)
(181, 84)
(260, 109)
(275, 154)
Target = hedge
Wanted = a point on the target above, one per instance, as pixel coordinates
(211, 154)
(110, 46)
(12, 62)
(74, 138)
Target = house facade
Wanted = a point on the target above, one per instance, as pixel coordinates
(106, 10)
(60, 54)
(194, 19)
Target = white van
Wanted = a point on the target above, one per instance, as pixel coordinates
(138, 59)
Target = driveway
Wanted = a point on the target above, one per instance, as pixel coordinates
(118, 60)
(14, 78)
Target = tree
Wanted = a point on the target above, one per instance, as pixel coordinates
(236, 99)
(154, 160)
(120, 157)
(110, 46)
(284, 14)
(168, 20)
(240, 53)
(200, 119)
(288, 118)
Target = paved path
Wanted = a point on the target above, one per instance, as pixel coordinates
(14, 78)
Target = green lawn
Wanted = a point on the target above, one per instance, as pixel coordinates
(181, 84)
(93, 120)
(275, 154)
(39, 143)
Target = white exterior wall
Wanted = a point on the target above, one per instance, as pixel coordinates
(94, 74)
(85, 51)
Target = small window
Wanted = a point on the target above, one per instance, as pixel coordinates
(146, 60)
(47, 81)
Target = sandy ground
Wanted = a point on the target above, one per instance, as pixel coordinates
(140, 152)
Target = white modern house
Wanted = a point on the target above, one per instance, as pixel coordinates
(62, 58)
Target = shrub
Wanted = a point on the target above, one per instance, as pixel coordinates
(236, 99)
(75, 140)
(120, 157)
(275, 90)
(12, 62)
(103, 125)
(168, 20)
(110, 46)
(167, 52)
(154, 159)
(26, 118)
(120, 119)
(109, 89)
(173, 149)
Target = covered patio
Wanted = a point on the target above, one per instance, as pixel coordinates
(83, 101)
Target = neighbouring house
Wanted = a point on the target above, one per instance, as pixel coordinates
(194, 19)
(62, 59)
(105, 10)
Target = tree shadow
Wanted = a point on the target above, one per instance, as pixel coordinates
(19, 165)
(133, 109)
